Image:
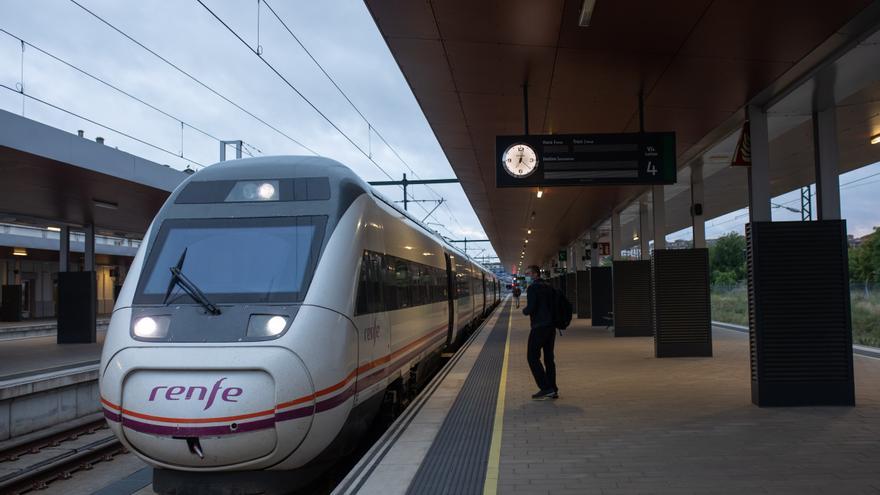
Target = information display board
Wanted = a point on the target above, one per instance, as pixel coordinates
(585, 159)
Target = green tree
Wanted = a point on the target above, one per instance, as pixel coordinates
(727, 259)
(864, 261)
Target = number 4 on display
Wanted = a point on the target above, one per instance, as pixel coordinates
(651, 168)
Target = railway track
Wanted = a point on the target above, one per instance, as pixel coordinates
(37, 475)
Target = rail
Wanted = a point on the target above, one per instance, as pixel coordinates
(38, 475)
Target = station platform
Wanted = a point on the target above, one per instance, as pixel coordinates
(34, 355)
(625, 422)
(41, 327)
(44, 384)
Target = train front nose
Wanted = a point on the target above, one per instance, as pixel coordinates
(220, 407)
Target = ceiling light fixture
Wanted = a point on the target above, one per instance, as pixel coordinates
(540, 192)
(19, 252)
(105, 204)
(875, 139)
(530, 231)
(53, 229)
(586, 13)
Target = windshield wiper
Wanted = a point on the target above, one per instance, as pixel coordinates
(179, 279)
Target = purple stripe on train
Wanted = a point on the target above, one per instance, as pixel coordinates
(196, 431)
(291, 414)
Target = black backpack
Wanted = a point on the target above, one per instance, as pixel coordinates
(561, 310)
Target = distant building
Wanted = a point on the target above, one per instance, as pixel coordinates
(854, 241)
(680, 244)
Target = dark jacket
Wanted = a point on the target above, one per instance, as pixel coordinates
(539, 304)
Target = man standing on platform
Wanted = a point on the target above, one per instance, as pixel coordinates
(542, 337)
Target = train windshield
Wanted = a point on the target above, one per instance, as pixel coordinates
(260, 260)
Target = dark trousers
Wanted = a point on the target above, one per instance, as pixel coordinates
(542, 339)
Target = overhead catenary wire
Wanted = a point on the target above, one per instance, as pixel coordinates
(299, 93)
(291, 86)
(215, 91)
(371, 128)
(193, 78)
(110, 85)
(103, 126)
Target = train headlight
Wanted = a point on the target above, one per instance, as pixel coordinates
(254, 190)
(151, 327)
(266, 191)
(267, 325)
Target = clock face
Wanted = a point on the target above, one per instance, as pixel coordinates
(520, 160)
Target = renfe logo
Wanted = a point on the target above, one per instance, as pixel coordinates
(197, 392)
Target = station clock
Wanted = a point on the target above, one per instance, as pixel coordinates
(520, 160)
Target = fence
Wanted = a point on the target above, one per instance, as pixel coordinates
(730, 305)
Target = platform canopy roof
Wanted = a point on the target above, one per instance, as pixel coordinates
(49, 177)
(698, 62)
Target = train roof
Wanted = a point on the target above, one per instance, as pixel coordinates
(279, 167)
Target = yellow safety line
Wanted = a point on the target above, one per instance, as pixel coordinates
(490, 487)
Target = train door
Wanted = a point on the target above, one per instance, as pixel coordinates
(371, 317)
(450, 296)
(472, 282)
(484, 293)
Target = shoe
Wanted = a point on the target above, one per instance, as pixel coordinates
(554, 394)
(543, 395)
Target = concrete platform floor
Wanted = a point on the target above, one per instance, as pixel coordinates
(41, 322)
(627, 423)
(39, 354)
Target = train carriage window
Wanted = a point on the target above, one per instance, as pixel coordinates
(370, 290)
(390, 283)
(440, 285)
(363, 306)
(463, 285)
(401, 283)
(417, 284)
(425, 283)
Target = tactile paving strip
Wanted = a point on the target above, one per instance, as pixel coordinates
(456, 461)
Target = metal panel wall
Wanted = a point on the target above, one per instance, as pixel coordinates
(682, 308)
(601, 296)
(633, 301)
(77, 294)
(571, 290)
(583, 294)
(800, 329)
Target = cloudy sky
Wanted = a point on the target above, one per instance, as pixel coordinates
(340, 34)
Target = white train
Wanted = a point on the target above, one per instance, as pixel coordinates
(275, 306)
